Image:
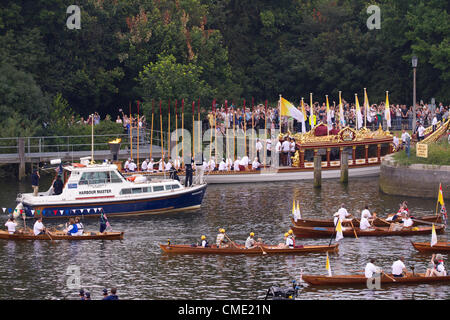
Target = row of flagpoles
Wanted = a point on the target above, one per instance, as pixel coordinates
(288, 109)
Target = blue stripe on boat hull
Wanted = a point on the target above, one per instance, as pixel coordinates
(177, 202)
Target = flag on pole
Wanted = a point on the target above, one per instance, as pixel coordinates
(359, 118)
(387, 112)
(329, 124)
(440, 195)
(287, 109)
(341, 111)
(304, 117)
(433, 236)
(328, 266)
(293, 207)
(311, 112)
(367, 106)
(339, 234)
(298, 210)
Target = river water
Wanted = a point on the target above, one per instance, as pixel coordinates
(139, 270)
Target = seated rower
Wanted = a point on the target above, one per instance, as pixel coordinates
(289, 241)
(407, 221)
(399, 268)
(438, 269)
(80, 226)
(221, 242)
(364, 223)
(11, 224)
(38, 227)
(204, 242)
(72, 230)
(371, 268)
(250, 243)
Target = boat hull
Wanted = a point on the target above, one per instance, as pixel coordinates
(61, 236)
(319, 232)
(185, 200)
(425, 247)
(187, 249)
(349, 280)
(377, 222)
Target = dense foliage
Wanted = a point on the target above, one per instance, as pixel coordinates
(129, 50)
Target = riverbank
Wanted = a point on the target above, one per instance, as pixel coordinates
(413, 179)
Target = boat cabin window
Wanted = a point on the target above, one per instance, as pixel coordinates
(175, 186)
(125, 191)
(114, 177)
(94, 177)
(147, 189)
(136, 190)
(158, 188)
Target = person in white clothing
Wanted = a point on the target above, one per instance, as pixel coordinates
(407, 221)
(396, 142)
(420, 132)
(211, 164)
(144, 165)
(38, 227)
(229, 164)
(371, 268)
(278, 152)
(168, 165)
(244, 162)
(438, 269)
(365, 216)
(289, 242)
(259, 147)
(150, 166)
(399, 268)
(236, 164)
(132, 166)
(222, 165)
(161, 165)
(255, 164)
(11, 224)
(342, 215)
(127, 163)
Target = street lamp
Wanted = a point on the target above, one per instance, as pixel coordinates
(414, 61)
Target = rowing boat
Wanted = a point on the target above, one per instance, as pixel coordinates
(377, 222)
(426, 247)
(318, 232)
(59, 235)
(360, 279)
(240, 249)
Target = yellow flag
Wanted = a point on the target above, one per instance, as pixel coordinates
(328, 267)
(440, 195)
(387, 112)
(339, 234)
(433, 236)
(328, 105)
(293, 207)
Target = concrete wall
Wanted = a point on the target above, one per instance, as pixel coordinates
(417, 180)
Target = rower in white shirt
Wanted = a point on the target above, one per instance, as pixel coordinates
(342, 215)
(407, 221)
(150, 165)
(132, 166)
(127, 163)
(11, 224)
(161, 165)
(229, 164)
(371, 269)
(244, 162)
(222, 165)
(398, 268)
(365, 215)
(211, 164)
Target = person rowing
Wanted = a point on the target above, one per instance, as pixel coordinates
(204, 242)
(288, 240)
(250, 243)
(11, 224)
(80, 226)
(221, 242)
(371, 268)
(399, 268)
(438, 269)
(39, 227)
(407, 221)
(72, 230)
(364, 224)
(342, 215)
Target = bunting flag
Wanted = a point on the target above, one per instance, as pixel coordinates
(288, 109)
(433, 236)
(359, 118)
(339, 234)
(328, 266)
(387, 112)
(341, 111)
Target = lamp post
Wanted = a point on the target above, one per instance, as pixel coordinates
(414, 65)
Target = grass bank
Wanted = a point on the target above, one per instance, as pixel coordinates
(438, 154)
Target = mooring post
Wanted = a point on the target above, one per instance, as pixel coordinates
(317, 171)
(344, 166)
(21, 149)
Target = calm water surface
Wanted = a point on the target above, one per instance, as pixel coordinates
(138, 268)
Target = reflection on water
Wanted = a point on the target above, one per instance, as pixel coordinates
(138, 268)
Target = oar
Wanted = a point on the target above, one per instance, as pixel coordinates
(426, 222)
(48, 233)
(384, 221)
(231, 240)
(388, 276)
(354, 231)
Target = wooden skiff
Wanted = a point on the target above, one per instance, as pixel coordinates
(378, 222)
(360, 279)
(318, 232)
(425, 246)
(240, 249)
(59, 235)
